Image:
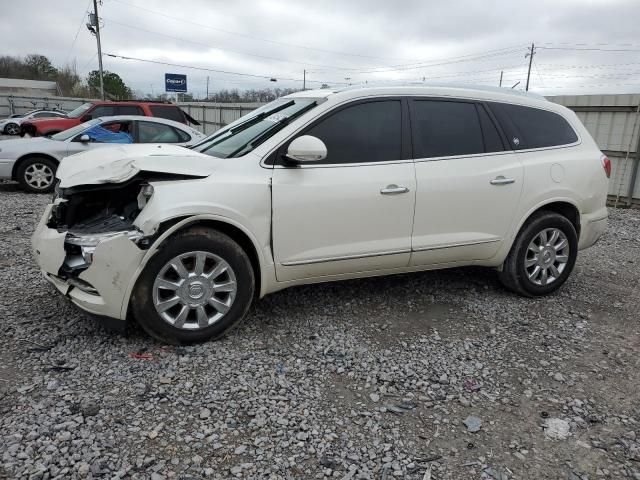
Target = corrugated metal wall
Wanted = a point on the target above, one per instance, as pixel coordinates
(614, 123)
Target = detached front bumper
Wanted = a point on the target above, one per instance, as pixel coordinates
(102, 288)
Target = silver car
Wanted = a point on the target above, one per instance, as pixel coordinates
(33, 161)
(11, 125)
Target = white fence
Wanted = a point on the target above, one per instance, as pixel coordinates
(212, 116)
(613, 120)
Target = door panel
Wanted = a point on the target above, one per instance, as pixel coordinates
(332, 220)
(460, 214)
(468, 185)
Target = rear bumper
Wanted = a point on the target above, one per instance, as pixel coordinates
(592, 226)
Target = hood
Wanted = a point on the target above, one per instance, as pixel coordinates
(20, 144)
(117, 164)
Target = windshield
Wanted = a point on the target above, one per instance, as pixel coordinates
(77, 112)
(243, 135)
(72, 132)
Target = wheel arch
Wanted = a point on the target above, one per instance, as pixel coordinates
(235, 231)
(27, 156)
(563, 207)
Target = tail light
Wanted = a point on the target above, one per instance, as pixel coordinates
(606, 164)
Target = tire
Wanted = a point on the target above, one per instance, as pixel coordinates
(212, 314)
(37, 174)
(524, 269)
(12, 129)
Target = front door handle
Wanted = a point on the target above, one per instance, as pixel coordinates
(393, 189)
(500, 180)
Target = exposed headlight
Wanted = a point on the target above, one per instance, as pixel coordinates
(93, 239)
(89, 242)
(146, 192)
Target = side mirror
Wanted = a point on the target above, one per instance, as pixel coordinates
(84, 138)
(307, 149)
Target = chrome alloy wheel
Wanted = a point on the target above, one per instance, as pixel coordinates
(547, 256)
(194, 290)
(39, 176)
(12, 129)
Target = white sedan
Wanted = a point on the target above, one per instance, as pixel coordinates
(33, 161)
(11, 125)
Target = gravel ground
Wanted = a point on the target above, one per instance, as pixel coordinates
(440, 375)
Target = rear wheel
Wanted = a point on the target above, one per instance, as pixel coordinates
(197, 287)
(37, 174)
(12, 129)
(542, 256)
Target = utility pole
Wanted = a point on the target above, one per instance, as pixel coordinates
(207, 87)
(97, 32)
(501, 72)
(304, 80)
(530, 55)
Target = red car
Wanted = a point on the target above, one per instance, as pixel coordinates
(87, 111)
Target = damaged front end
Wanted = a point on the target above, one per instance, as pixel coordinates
(88, 246)
(94, 214)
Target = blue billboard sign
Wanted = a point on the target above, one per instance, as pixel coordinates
(175, 82)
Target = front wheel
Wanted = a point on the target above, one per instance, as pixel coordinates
(542, 256)
(37, 174)
(197, 287)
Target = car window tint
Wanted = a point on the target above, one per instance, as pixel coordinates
(443, 128)
(102, 111)
(130, 110)
(170, 112)
(43, 115)
(533, 127)
(366, 132)
(492, 139)
(151, 132)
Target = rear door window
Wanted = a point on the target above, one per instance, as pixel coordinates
(529, 127)
(152, 132)
(170, 112)
(130, 110)
(102, 111)
(443, 128)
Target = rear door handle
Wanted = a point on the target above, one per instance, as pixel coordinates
(500, 180)
(393, 189)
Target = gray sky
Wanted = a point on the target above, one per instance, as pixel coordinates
(585, 46)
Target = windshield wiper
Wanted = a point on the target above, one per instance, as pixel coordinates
(247, 123)
(269, 132)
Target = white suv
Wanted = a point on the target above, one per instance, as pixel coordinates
(319, 186)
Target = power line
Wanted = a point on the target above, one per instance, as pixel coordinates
(157, 62)
(590, 49)
(220, 48)
(588, 66)
(447, 61)
(82, 21)
(252, 37)
(593, 44)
